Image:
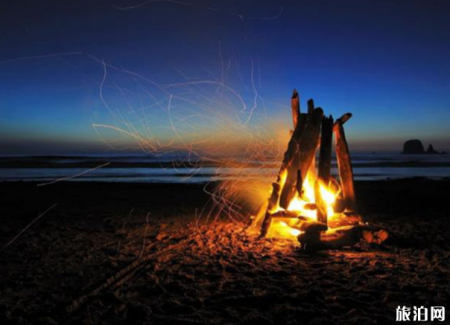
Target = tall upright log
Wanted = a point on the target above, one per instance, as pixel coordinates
(295, 107)
(303, 157)
(310, 107)
(323, 177)
(326, 141)
(344, 164)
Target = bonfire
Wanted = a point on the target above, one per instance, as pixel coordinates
(306, 202)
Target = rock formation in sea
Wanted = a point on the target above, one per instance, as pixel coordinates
(413, 147)
(431, 150)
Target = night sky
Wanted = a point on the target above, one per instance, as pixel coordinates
(387, 62)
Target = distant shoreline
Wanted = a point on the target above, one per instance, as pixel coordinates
(178, 169)
(92, 163)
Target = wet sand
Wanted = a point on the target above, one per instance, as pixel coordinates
(72, 266)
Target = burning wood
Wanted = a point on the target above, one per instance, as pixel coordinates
(303, 154)
(317, 210)
(344, 163)
(323, 178)
(345, 236)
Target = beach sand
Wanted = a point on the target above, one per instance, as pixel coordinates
(187, 269)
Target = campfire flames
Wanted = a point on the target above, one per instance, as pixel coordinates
(306, 202)
(305, 206)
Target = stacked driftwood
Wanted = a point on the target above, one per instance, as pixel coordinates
(311, 131)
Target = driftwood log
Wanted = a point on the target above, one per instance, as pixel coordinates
(323, 177)
(295, 107)
(299, 161)
(303, 157)
(344, 163)
(299, 121)
(326, 140)
(347, 236)
(273, 203)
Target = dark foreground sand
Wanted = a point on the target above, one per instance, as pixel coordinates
(194, 273)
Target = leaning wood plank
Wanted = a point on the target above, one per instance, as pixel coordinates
(323, 177)
(289, 157)
(256, 222)
(303, 156)
(344, 118)
(345, 167)
(273, 204)
(309, 141)
(300, 124)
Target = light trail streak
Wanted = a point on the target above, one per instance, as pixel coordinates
(28, 226)
(74, 176)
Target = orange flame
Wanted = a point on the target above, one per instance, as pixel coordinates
(304, 205)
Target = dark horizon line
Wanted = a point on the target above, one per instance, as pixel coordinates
(144, 154)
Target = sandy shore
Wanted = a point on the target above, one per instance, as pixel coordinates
(185, 270)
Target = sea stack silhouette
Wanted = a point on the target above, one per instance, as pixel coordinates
(414, 147)
(431, 150)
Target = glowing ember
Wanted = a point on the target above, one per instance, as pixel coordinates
(292, 231)
(304, 206)
(281, 229)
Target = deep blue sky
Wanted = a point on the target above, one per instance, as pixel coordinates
(386, 61)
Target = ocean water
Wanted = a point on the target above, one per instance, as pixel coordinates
(134, 168)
